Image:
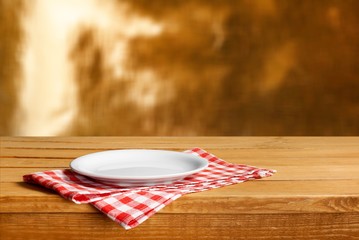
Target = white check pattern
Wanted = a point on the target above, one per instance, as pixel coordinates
(131, 206)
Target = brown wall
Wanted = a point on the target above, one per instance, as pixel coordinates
(270, 67)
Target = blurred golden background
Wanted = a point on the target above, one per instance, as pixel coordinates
(179, 67)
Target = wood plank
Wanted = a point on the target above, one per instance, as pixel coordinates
(37, 162)
(183, 142)
(128, 142)
(182, 226)
(314, 195)
(246, 153)
(249, 197)
(228, 155)
(284, 173)
(179, 142)
(256, 188)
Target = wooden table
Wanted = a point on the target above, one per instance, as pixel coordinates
(314, 195)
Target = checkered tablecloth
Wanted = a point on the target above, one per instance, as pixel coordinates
(131, 206)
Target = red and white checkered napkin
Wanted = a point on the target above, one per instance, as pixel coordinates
(132, 206)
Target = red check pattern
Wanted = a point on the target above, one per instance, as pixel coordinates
(131, 206)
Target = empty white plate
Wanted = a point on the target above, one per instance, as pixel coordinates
(135, 167)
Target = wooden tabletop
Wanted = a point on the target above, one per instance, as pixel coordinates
(314, 194)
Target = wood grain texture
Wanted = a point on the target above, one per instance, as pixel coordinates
(229, 155)
(245, 152)
(314, 195)
(284, 172)
(263, 147)
(183, 226)
(251, 197)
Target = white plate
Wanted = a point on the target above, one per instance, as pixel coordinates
(136, 167)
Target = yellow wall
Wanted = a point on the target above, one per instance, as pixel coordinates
(264, 67)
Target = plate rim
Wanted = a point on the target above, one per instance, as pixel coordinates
(124, 178)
